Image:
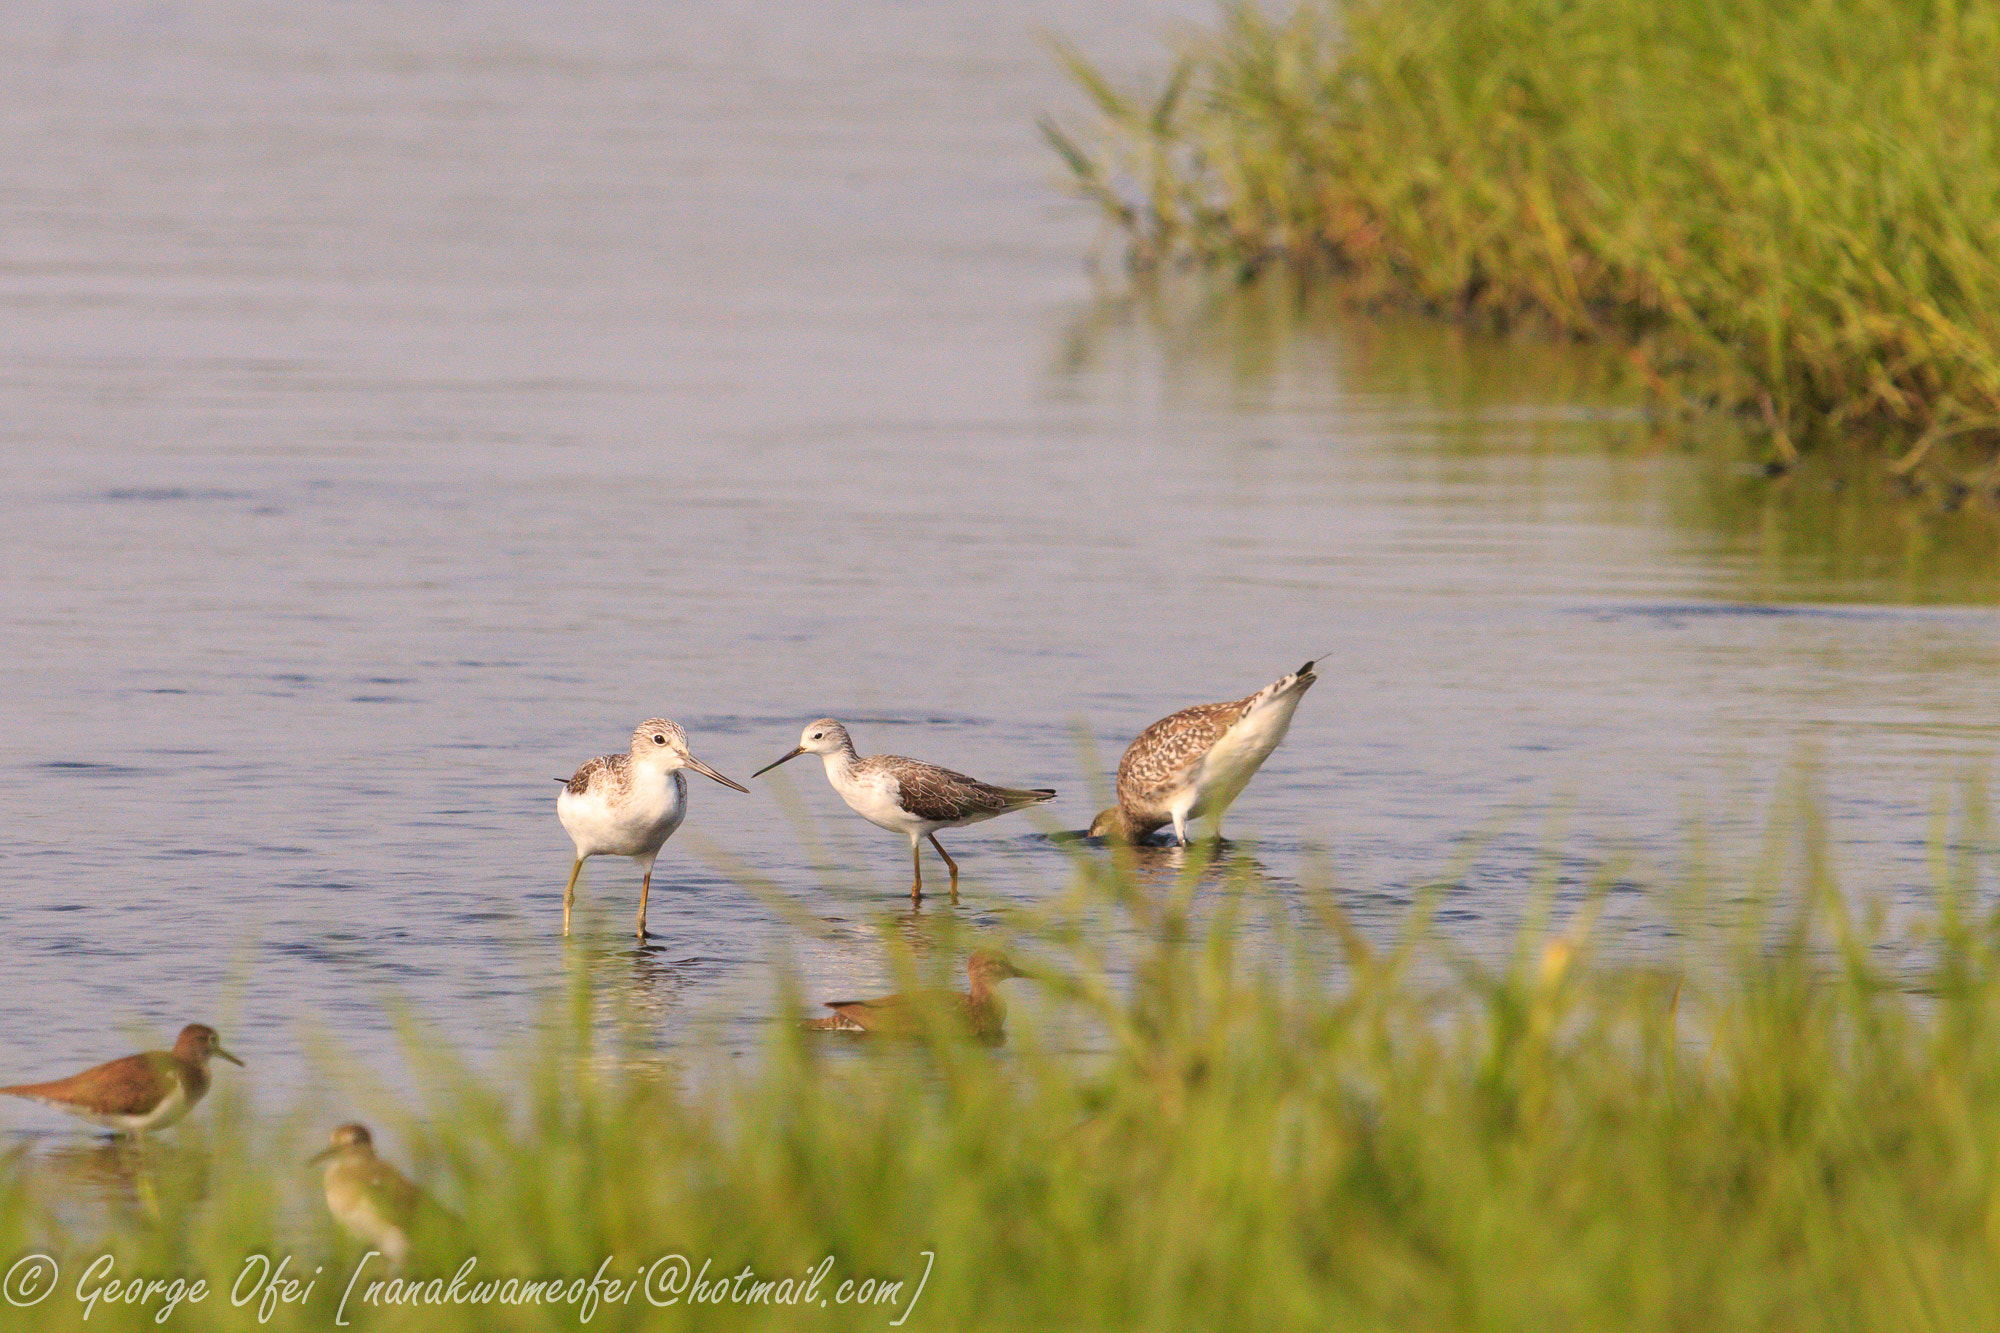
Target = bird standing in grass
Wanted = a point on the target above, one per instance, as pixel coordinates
(374, 1201)
(1194, 763)
(136, 1093)
(907, 796)
(981, 1012)
(630, 804)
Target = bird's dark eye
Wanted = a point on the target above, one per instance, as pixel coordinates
(658, 739)
(817, 734)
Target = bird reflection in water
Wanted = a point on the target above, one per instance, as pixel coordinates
(119, 1178)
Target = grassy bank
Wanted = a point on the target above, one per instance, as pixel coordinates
(1774, 1133)
(1788, 211)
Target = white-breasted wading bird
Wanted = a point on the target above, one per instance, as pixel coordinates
(630, 804)
(1193, 764)
(907, 796)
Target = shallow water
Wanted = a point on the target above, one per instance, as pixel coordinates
(403, 401)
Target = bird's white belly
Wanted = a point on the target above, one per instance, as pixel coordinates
(877, 800)
(637, 826)
(1235, 758)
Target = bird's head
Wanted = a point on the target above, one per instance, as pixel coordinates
(992, 966)
(824, 736)
(659, 741)
(350, 1138)
(198, 1042)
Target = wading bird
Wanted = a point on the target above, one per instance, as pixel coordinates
(1194, 763)
(981, 1012)
(136, 1093)
(907, 796)
(630, 804)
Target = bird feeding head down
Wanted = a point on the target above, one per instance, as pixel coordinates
(824, 736)
(662, 742)
(1115, 824)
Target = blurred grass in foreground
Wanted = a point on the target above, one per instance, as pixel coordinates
(1797, 1124)
(1788, 211)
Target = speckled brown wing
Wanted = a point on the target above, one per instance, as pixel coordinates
(930, 792)
(1155, 764)
(130, 1085)
(606, 768)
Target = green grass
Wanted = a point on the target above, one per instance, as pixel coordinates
(1793, 1123)
(1785, 209)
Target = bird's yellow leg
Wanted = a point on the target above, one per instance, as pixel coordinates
(948, 861)
(917, 865)
(569, 893)
(645, 890)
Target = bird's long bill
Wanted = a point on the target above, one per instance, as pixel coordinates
(322, 1155)
(775, 762)
(708, 772)
(217, 1050)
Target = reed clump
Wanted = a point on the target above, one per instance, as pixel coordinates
(1788, 1120)
(1787, 211)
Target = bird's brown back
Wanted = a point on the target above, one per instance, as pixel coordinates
(1155, 761)
(930, 791)
(130, 1085)
(613, 770)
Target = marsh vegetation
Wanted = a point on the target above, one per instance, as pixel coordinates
(1784, 212)
(1783, 1118)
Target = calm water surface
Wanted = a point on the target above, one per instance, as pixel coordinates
(402, 400)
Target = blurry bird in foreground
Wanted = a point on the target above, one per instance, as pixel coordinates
(374, 1201)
